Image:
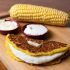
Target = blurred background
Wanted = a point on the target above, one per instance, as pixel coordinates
(59, 4)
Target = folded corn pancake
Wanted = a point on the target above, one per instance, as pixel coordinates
(34, 51)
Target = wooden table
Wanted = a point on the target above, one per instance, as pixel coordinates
(61, 34)
(2, 66)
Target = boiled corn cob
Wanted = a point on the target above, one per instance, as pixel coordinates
(39, 14)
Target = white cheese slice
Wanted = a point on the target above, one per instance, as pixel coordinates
(35, 29)
(32, 43)
(34, 60)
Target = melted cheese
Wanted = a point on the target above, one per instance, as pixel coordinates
(35, 44)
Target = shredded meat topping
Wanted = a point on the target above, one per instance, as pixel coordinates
(21, 42)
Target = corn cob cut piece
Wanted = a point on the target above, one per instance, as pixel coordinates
(39, 14)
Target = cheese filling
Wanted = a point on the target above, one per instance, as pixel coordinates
(32, 59)
(35, 29)
(35, 44)
(8, 25)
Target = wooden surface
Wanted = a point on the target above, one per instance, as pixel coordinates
(61, 34)
(2, 66)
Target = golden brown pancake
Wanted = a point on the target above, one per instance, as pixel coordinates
(47, 48)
